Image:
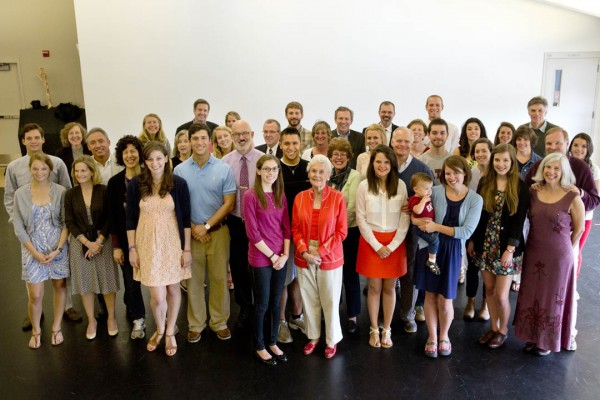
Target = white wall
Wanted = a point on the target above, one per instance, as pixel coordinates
(484, 57)
(27, 27)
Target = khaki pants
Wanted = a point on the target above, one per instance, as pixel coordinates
(209, 259)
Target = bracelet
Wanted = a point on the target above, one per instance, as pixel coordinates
(510, 251)
(131, 247)
(271, 256)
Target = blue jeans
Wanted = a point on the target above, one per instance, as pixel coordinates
(432, 239)
(267, 285)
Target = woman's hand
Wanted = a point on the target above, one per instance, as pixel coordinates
(93, 247)
(40, 257)
(133, 258)
(186, 259)
(118, 256)
(537, 186)
(311, 258)
(384, 252)
(52, 255)
(471, 249)
(280, 262)
(428, 226)
(506, 259)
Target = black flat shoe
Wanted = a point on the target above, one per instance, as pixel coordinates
(271, 361)
(282, 358)
(352, 326)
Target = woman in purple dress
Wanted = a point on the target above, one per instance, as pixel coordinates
(556, 213)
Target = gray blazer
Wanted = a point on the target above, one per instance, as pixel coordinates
(23, 210)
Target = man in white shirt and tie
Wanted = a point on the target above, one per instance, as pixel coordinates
(271, 134)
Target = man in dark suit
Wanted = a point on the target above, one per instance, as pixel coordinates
(343, 120)
(387, 111)
(271, 133)
(537, 108)
(201, 110)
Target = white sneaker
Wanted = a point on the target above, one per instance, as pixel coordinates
(283, 334)
(138, 331)
(298, 323)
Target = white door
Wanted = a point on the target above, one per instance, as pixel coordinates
(570, 84)
(11, 101)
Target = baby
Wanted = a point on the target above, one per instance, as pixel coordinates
(421, 207)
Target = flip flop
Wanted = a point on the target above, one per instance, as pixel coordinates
(445, 350)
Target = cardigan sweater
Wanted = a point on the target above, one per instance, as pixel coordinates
(468, 217)
(23, 210)
(511, 226)
(181, 198)
(76, 216)
(333, 227)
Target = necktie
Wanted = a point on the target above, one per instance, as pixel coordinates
(270, 151)
(244, 183)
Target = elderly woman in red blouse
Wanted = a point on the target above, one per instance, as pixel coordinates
(319, 226)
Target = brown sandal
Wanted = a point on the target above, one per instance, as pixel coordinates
(57, 338)
(170, 350)
(154, 341)
(37, 341)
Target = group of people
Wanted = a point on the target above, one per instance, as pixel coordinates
(301, 217)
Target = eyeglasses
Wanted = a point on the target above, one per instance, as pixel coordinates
(267, 169)
(238, 134)
(339, 154)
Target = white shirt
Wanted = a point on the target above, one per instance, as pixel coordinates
(375, 212)
(109, 169)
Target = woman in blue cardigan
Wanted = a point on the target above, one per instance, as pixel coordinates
(457, 211)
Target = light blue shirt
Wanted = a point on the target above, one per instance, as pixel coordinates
(207, 186)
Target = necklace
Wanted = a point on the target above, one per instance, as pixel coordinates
(292, 169)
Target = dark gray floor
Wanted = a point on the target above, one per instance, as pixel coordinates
(118, 368)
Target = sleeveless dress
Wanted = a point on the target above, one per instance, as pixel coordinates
(449, 258)
(158, 243)
(45, 238)
(543, 312)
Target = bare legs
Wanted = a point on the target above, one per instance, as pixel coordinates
(497, 289)
(88, 305)
(438, 311)
(376, 287)
(165, 302)
(35, 292)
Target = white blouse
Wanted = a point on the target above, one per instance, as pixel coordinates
(375, 212)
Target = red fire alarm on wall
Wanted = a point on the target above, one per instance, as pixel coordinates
(45, 53)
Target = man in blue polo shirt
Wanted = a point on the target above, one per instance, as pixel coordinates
(212, 194)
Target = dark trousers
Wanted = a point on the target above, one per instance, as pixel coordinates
(473, 278)
(408, 293)
(238, 261)
(132, 296)
(267, 285)
(351, 280)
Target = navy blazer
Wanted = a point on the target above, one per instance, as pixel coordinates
(181, 198)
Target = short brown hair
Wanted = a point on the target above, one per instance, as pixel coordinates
(30, 127)
(296, 105)
(537, 100)
(64, 133)
(456, 164)
(524, 132)
(339, 144)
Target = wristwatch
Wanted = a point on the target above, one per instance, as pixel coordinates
(207, 226)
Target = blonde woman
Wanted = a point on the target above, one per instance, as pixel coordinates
(374, 136)
(152, 130)
(222, 141)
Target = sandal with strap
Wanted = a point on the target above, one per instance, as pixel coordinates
(515, 286)
(57, 338)
(431, 353)
(433, 267)
(154, 341)
(374, 337)
(170, 350)
(386, 338)
(445, 347)
(35, 342)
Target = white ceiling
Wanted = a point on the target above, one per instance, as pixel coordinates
(590, 7)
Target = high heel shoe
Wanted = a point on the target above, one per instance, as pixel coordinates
(112, 332)
(154, 341)
(170, 350)
(91, 335)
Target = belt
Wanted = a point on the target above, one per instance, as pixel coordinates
(216, 227)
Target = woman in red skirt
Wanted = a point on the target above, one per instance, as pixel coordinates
(383, 227)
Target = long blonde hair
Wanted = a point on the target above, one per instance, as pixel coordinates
(160, 135)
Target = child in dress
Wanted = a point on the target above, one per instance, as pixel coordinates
(420, 206)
